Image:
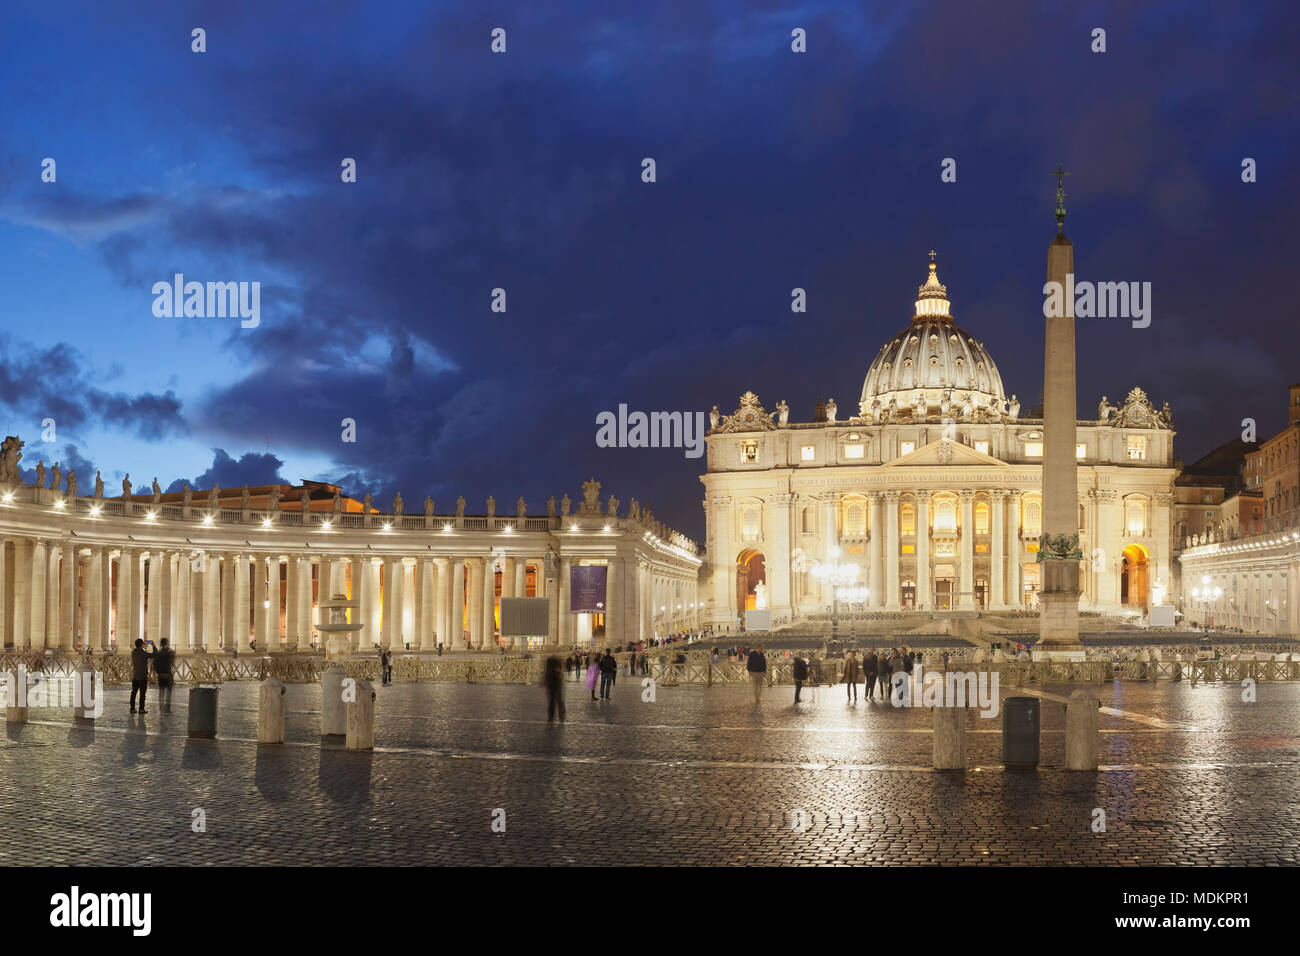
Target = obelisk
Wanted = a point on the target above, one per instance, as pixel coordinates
(1058, 550)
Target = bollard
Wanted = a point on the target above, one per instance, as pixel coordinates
(86, 703)
(202, 720)
(333, 717)
(270, 712)
(1020, 733)
(949, 738)
(361, 718)
(1082, 731)
(16, 696)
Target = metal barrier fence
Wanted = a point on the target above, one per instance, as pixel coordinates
(697, 670)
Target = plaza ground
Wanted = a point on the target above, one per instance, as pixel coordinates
(1190, 775)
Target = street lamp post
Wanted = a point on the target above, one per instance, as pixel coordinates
(838, 577)
(1206, 595)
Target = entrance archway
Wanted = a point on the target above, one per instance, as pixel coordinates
(1134, 575)
(751, 571)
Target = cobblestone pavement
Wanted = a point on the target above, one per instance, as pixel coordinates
(1191, 775)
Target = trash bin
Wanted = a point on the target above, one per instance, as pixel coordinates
(203, 712)
(1020, 733)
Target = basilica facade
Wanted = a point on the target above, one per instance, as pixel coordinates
(928, 495)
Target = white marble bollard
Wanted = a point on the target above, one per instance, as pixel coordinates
(1082, 731)
(333, 715)
(361, 718)
(949, 738)
(270, 712)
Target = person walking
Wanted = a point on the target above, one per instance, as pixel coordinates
(593, 673)
(553, 681)
(870, 670)
(800, 675)
(163, 661)
(852, 673)
(608, 669)
(756, 665)
(140, 673)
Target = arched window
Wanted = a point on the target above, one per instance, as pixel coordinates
(945, 515)
(909, 519)
(981, 517)
(1135, 519)
(855, 520)
(749, 524)
(1033, 518)
(809, 521)
(1080, 517)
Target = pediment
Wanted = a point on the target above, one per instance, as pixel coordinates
(944, 453)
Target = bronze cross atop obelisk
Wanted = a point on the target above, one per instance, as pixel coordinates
(1060, 174)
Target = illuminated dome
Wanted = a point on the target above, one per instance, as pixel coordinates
(932, 360)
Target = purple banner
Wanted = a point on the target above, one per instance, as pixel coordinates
(587, 589)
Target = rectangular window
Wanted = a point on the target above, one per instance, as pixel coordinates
(906, 447)
(807, 453)
(1137, 448)
(748, 452)
(982, 447)
(908, 548)
(853, 451)
(1080, 450)
(1033, 449)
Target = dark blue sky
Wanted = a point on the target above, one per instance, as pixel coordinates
(522, 171)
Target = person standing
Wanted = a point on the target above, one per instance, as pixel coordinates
(608, 668)
(756, 665)
(140, 673)
(800, 675)
(884, 674)
(851, 674)
(163, 661)
(553, 681)
(870, 670)
(593, 674)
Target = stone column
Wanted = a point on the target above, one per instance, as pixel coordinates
(474, 599)
(96, 629)
(4, 592)
(1015, 548)
(243, 628)
(128, 597)
(1110, 533)
(891, 551)
(67, 596)
(489, 604)
(923, 595)
(211, 602)
(166, 579)
(410, 603)
(830, 529)
(967, 551)
(521, 579)
(261, 600)
(292, 634)
(181, 636)
(304, 600)
(776, 530)
(429, 593)
(456, 604)
(1161, 505)
(39, 577)
(53, 628)
(997, 560)
(614, 603)
(388, 619)
(358, 639)
(722, 566)
(22, 599)
(564, 617)
(442, 601)
(876, 566)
